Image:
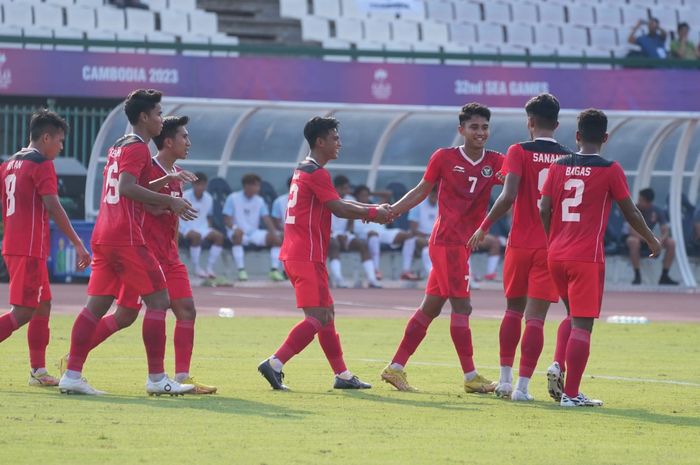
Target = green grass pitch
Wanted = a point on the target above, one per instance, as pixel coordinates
(649, 421)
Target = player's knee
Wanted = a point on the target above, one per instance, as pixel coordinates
(195, 239)
(22, 315)
(632, 242)
(217, 238)
(125, 317)
(670, 244)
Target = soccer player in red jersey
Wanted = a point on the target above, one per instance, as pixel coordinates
(576, 200)
(121, 259)
(29, 193)
(528, 286)
(307, 231)
(165, 177)
(464, 176)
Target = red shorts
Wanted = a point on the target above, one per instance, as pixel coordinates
(177, 280)
(117, 267)
(450, 274)
(525, 274)
(310, 281)
(29, 280)
(581, 284)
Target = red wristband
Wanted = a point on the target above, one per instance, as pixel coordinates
(371, 213)
(486, 224)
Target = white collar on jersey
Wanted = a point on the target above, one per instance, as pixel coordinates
(163, 167)
(311, 159)
(588, 154)
(466, 157)
(135, 135)
(548, 139)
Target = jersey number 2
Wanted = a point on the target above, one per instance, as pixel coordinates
(293, 194)
(575, 201)
(10, 185)
(112, 190)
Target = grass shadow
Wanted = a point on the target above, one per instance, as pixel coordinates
(412, 399)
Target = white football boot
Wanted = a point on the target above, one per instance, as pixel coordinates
(167, 386)
(77, 386)
(579, 401)
(555, 381)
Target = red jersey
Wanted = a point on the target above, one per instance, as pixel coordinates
(120, 219)
(582, 188)
(463, 194)
(531, 161)
(307, 227)
(24, 179)
(161, 230)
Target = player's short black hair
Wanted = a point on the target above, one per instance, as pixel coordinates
(140, 101)
(170, 126)
(592, 125)
(340, 181)
(289, 182)
(359, 189)
(201, 177)
(319, 127)
(647, 194)
(250, 178)
(544, 110)
(474, 109)
(683, 25)
(44, 121)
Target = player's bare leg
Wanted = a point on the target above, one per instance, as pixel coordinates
(416, 329)
(531, 346)
(195, 240)
(669, 245)
(407, 241)
(358, 245)
(509, 337)
(274, 241)
(462, 339)
(217, 246)
(335, 245)
(634, 245)
(183, 339)
(238, 254)
(577, 352)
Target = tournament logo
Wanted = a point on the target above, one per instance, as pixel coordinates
(5, 74)
(381, 88)
(487, 171)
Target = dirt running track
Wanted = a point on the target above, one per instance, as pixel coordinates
(261, 299)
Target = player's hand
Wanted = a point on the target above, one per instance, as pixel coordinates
(183, 176)
(383, 215)
(390, 209)
(155, 210)
(476, 239)
(183, 208)
(655, 247)
(501, 177)
(82, 257)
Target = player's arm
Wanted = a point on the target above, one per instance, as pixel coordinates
(182, 176)
(58, 215)
(546, 212)
(128, 187)
(413, 197)
(636, 220)
(267, 221)
(503, 203)
(351, 211)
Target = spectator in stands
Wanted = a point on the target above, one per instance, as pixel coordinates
(243, 212)
(200, 229)
(653, 215)
(421, 220)
(343, 240)
(683, 48)
(377, 235)
(653, 43)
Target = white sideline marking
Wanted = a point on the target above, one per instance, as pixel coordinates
(344, 303)
(611, 378)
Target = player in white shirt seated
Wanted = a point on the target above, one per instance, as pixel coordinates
(421, 220)
(343, 240)
(377, 234)
(200, 229)
(278, 212)
(243, 211)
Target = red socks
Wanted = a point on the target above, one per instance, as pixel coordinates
(531, 348)
(8, 325)
(298, 338)
(330, 343)
(105, 328)
(38, 334)
(577, 351)
(81, 339)
(462, 339)
(184, 343)
(509, 336)
(153, 333)
(562, 340)
(416, 329)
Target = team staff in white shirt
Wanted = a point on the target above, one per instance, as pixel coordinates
(421, 220)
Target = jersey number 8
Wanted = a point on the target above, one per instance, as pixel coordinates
(10, 186)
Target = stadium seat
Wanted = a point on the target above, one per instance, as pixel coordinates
(38, 32)
(467, 12)
(17, 14)
(580, 15)
(553, 13)
(10, 30)
(140, 20)
(336, 43)
(369, 45)
(543, 50)
(91, 3)
(60, 2)
(223, 39)
(80, 17)
(183, 5)
(405, 31)
(110, 19)
(434, 33)
(195, 39)
(525, 12)
(489, 33)
(550, 35)
(173, 22)
(667, 17)
(489, 49)
(509, 49)
(131, 36)
(676, 3)
(315, 29)
(496, 12)
(645, 2)
(294, 9)
(158, 36)
(573, 36)
(570, 51)
(376, 30)
(608, 15)
(398, 47)
(440, 11)
(348, 29)
(633, 13)
(203, 23)
(414, 14)
(329, 9)
(48, 17)
(603, 38)
(456, 47)
(519, 34)
(462, 33)
(350, 9)
(101, 35)
(67, 33)
(598, 53)
(423, 47)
